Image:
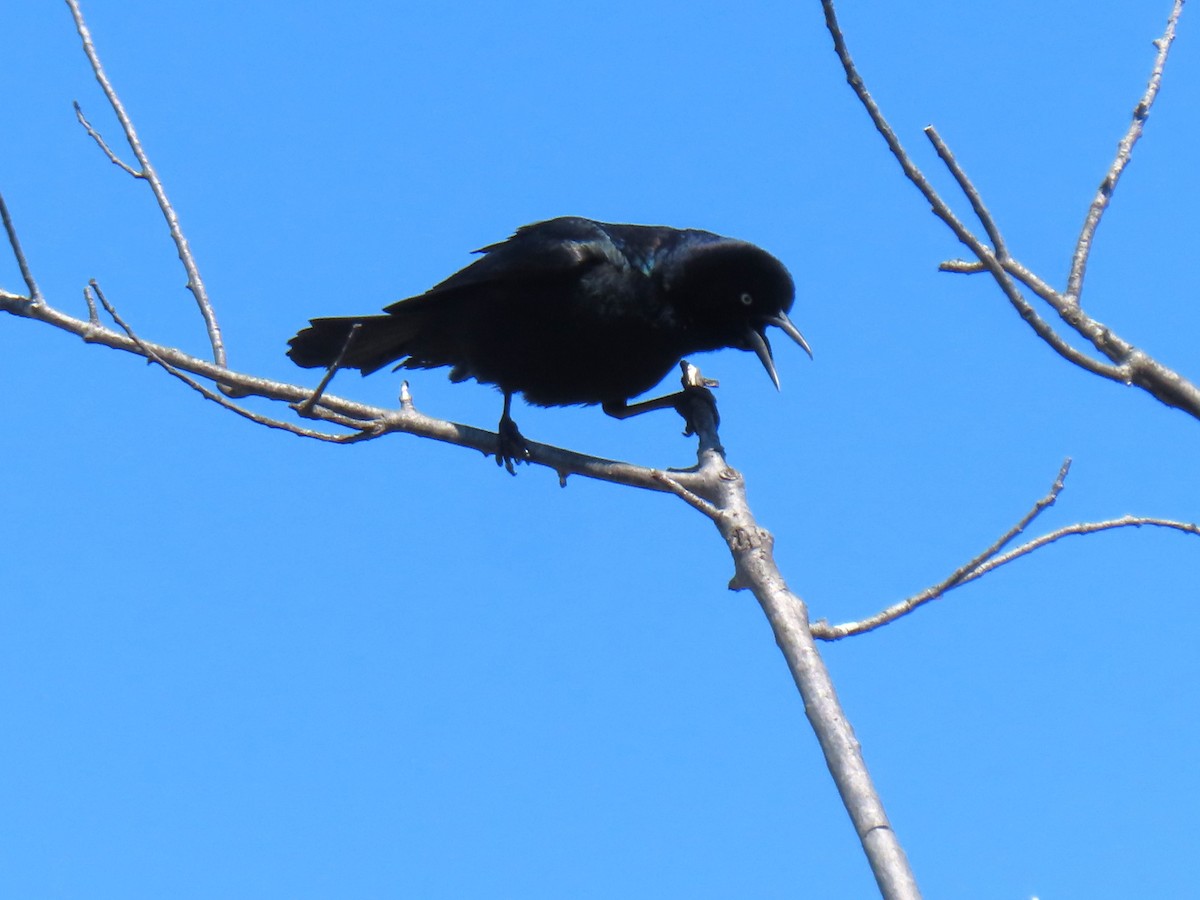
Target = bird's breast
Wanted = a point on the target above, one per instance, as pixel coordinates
(587, 348)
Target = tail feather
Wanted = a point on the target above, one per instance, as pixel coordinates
(379, 341)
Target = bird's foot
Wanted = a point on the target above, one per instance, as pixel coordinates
(511, 447)
(696, 404)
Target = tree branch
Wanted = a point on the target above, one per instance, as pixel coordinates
(755, 570)
(103, 144)
(195, 283)
(35, 294)
(712, 487)
(1141, 112)
(991, 559)
(1132, 366)
(368, 421)
(147, 351)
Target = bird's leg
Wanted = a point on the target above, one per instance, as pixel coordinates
(695, 390)
(621, 409)
(680, 401)
(511, 447)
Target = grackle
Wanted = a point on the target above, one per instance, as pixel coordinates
(572, 311)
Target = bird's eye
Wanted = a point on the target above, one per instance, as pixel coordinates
(746, 299)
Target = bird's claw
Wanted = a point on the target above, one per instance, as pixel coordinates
(511, 446)
(692, 403)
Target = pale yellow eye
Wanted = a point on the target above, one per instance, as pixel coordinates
(746, 299)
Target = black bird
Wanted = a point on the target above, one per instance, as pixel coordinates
(572, 311)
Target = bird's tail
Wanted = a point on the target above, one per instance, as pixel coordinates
(378, 341)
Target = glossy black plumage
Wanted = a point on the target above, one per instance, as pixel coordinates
(573, 311)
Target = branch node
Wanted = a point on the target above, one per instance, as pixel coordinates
(691, 498)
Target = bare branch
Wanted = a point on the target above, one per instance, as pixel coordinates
(914, 174)
(1132, 366)
(1000, 265)
(93, 314)
(691, 498)
(1034, 283)
(103, 145)
(368, 421)
(986, 257)
(1141, 112)
(1081, 528)
(306, 407)
(824, 631)
(1012, 267)
(991, 559)
(195, 283)
(147, 351)
(712, 487)
(750, 545)
(35, 294)
(757, 571)
(972, 194)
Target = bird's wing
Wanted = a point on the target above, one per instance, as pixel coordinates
(545, 251)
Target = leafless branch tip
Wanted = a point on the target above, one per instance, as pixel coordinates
(195, 284)
(31, 285)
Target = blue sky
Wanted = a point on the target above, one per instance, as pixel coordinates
(235, 663)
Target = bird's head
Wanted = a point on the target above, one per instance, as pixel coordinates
(728, 293)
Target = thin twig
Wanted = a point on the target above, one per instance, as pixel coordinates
(1033, 282)
(1012, 267)
(103, 145)
(972, 194)
(939, 207)
(992, 558)
(306, 407)
(911, 171)
(195, 283)
(35, 294)
(1141, 112)
(93, 314)
(827, 632)
(206, 392)
(1036, 510)
(691, 498)
(1132, 365)
(1081, 528)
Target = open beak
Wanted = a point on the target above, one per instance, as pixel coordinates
(757, 341)
(781, 320)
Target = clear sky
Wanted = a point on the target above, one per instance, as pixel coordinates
(234, 663)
